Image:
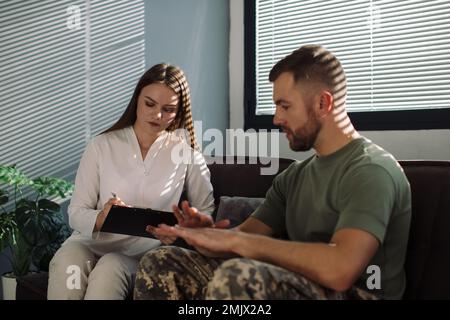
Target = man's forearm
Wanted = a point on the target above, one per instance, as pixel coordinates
(319, 262)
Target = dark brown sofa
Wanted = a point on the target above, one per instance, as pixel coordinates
(428, 257)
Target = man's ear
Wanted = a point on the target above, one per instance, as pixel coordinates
(325, 104)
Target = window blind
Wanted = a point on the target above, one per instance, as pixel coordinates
(67, 72)
(396, 54)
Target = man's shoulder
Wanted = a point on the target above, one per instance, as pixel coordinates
(290, 176)
(372, 157)
(297, 166)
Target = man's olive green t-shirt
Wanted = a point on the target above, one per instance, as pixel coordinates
(360, 186)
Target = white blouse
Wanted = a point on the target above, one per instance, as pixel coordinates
(112, 162)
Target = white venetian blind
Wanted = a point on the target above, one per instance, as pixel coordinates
(396, 54)
(67, 72)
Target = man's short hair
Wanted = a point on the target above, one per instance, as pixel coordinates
(313, 63)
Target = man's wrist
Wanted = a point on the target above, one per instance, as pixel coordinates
(242, 244)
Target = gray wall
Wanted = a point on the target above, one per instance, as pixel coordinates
(193, 34)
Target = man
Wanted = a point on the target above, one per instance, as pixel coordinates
(345, 211)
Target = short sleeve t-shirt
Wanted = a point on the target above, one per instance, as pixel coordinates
(360, 186)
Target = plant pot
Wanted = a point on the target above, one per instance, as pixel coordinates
(9, 285)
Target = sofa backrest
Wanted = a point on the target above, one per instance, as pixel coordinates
(428, 256)
(242, 179)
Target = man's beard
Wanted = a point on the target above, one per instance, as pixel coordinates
(303, 139)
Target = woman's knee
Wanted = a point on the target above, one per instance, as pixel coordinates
(73, 254)
(112, 264)
(112, 278)
(69, 270)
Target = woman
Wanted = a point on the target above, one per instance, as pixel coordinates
(134, 161)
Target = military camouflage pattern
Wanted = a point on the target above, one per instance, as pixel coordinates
(246, 279)
(176, 273)
(173, 273)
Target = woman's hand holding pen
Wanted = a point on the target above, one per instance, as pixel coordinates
(101, 217)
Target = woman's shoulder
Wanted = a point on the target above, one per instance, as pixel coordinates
(177, 137)
(119, 135)
(104, 142)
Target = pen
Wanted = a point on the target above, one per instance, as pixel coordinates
(115, 196)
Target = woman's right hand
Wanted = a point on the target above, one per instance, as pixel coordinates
(101, 217)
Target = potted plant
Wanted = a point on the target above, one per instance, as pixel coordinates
(31, 223)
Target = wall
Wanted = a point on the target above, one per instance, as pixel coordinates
(193, 34)
(417, 144)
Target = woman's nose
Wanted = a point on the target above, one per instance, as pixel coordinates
(157, 114)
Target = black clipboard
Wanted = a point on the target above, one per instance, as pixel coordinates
(133, 221)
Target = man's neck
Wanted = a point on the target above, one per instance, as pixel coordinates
(333, 138)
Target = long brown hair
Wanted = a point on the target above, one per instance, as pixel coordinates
(174, 78)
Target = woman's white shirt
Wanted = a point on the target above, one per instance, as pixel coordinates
(112, 162)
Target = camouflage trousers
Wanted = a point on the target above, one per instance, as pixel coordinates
(173, 273)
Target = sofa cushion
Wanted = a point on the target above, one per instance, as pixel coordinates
(237, 209)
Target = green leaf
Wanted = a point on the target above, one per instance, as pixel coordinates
(3, 197)
(42, 255)
(28, 221)
(13, 176)
(8, 229)
(45, 204)
(38, 221)
(35, 228)
(53, 187)
(21, 256)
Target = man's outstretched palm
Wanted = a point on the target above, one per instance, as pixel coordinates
(188, 217)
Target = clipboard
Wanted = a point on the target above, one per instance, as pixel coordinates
(133, 221)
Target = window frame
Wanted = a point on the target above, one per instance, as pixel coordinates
(378, 120)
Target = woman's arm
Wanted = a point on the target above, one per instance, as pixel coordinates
(82, 210)
(198, 185)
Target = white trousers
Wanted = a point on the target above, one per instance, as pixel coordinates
(76, 273)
